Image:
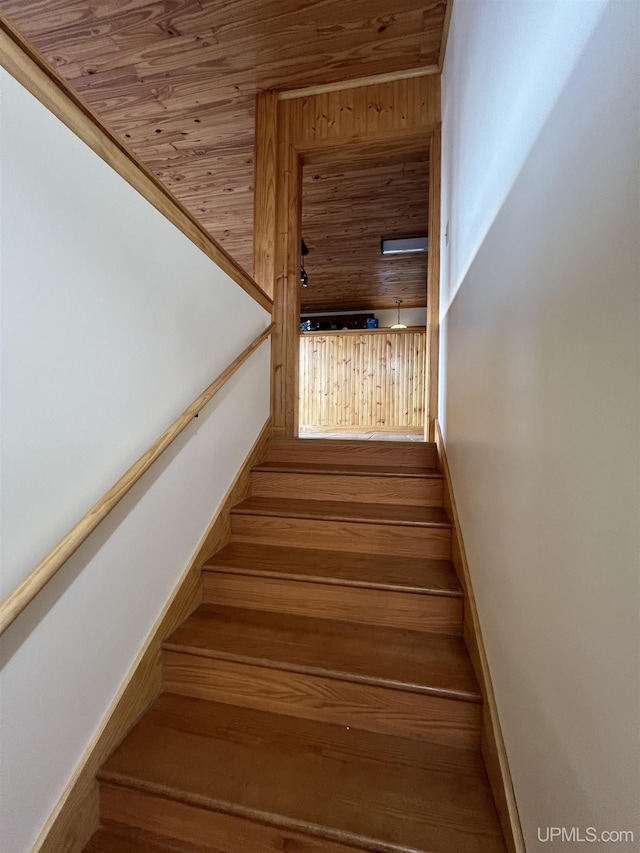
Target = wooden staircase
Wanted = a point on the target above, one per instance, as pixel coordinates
(321, 699)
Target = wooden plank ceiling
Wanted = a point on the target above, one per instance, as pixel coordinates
(177, 79)
(346, 211)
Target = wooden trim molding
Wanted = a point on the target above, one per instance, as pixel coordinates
(15, 603)
(445, 34)
(357, 82)
(492, 743)
(265, 195)
(76, 816)
(376, 119)
(30, 69)
(433, 284)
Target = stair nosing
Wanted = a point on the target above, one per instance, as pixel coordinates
(256, 815)
(283, 468)
(220, 568)
(321, 672)
(299, 514)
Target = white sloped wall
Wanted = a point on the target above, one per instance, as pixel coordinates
(112, 323)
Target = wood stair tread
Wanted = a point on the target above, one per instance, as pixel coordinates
(368, 513)
(397, 658)
(350, 452)
(377, 792)
(357, 470)
(117, 838)
(372, 571)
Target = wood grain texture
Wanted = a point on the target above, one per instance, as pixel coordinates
(32, 71)
(404, 659)
(438, 614)
(385, 119)
(418, 491)
(404, 541)
(365, 707)
(367, 513)
(20, 598)
(75, 816)
(376, 111)
(360, 787)
(198, 829)
(177, 79)
(361, 379)
(348, 207)
(370, 571)
(264, 235)
(493, 747)
(346, 452)
(433, 286)
(357, 82)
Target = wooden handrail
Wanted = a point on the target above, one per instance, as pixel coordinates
(30, 69)
(15, 603)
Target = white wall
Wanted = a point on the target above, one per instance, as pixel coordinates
(540, 388)
(112, 323)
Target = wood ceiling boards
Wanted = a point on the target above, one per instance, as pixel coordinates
(346, 210)
(177, 79)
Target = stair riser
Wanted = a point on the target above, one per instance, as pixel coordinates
(409, 453)
(343, 535)
(439, 614)
(369, 707)
(205, 829)
(417, 491)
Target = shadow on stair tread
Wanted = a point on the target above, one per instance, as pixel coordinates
(374, 571)
(376, 792)
(356, 470)
(367, 513)
(118, 838)
(390, 657)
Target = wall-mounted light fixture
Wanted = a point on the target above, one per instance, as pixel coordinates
(304, 278)
(404, 245)
(398, 325)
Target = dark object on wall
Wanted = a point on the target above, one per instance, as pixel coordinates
(328, 322)
(304, 278)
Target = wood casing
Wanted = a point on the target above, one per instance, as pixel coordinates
(384, 119)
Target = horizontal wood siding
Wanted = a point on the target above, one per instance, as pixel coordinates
(363, 379)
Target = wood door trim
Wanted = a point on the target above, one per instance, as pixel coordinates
(372, 80)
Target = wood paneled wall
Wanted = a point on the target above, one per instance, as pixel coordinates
(391, 117)
(373, 379)
(177, 79)
(364, 113)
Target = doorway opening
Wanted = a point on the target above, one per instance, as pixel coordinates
(363, 303)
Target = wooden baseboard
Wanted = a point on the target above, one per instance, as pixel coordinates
(493, 748)
(76, 816)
